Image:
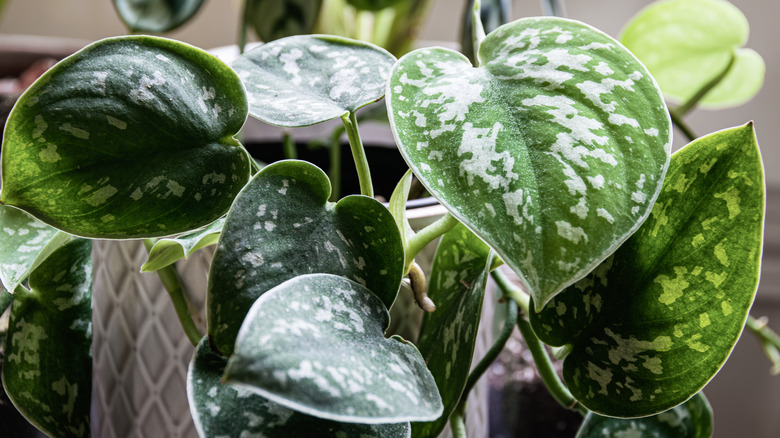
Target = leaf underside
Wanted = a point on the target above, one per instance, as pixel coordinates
(156, 16)
(165, 252)
(656, 321)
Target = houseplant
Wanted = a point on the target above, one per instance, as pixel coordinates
(557, 167)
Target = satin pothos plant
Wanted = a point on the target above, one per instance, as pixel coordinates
(551, 154)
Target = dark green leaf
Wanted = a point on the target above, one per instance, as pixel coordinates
(274, 19)
(303, 80)
(24, 244)
(656, 321)
(165, 252)
(448, 335)
(552, 151)
(156, 16)
(693, 419)
(130, 137)
(47, 371)
(232, 411)
(282, 226)
(316, 344)
(373, 5)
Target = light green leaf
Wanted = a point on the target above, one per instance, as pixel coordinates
(448, 335)
(165, 252)
(687, 43)
(693, 419)
(274, 19)
(156, 16)
(282, 226)
(397, 207)
(316, 344)
(130, 137)
(552, 151)
(24, 244)
(308, 79)
(47, 371)
(232, 411)
(657, 320)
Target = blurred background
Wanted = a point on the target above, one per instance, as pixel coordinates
(745, 397)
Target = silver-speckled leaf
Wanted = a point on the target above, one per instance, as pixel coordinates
(165, 252)
(274, 19)
(308, 79)
(232, 411)
(448, 335)
(156, 16)
(316, 344)
(552, 151)
(47, 371)
(130, 137)
(24, 244)
(282, 226)
(657, 320)
(692, 419)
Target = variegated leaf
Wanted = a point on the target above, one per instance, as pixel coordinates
(24, 244)
(308, 79)
(316, 344)
(274, 19)
(232, 411)
(47, 372)
(448, 335)
(687, 43)
(129, 137)
(165, 252)
(657, 320)
(282, 226)
(692, 419)
(552, 151)
(156, 16)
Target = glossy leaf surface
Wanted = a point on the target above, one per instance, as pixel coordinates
(282, 226)
(448, 335)
(552, 151)
(316, 344)
(165, 252)
(308, 79)
(130, 137)
(692, 419)
(274, 19)
(24, 244)
(687, 43)
(655, 322)
(233, 411)
(47, 371)
(156, 16)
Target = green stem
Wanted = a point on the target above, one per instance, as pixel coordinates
(511, 291)
(428, 234)
(458, 421)
(495, 350)
(477, 30)
(358, 154)
(334, 172)
(172, 283)
(6, 298)
(243, 27)
(682, 126)
(289, 146)
(770, 341)
(687, 106)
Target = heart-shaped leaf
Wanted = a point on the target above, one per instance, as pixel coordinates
(24, 244)
(552, 151)
(130, 137)
(156, 16)
(692, 419)
(274, 19)
(166, 252)
(232, 411)
(448, 335)
(316, 344)
(47, 371)
(307, 79)
(656, 321)
(282, 226)
(687, 43)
